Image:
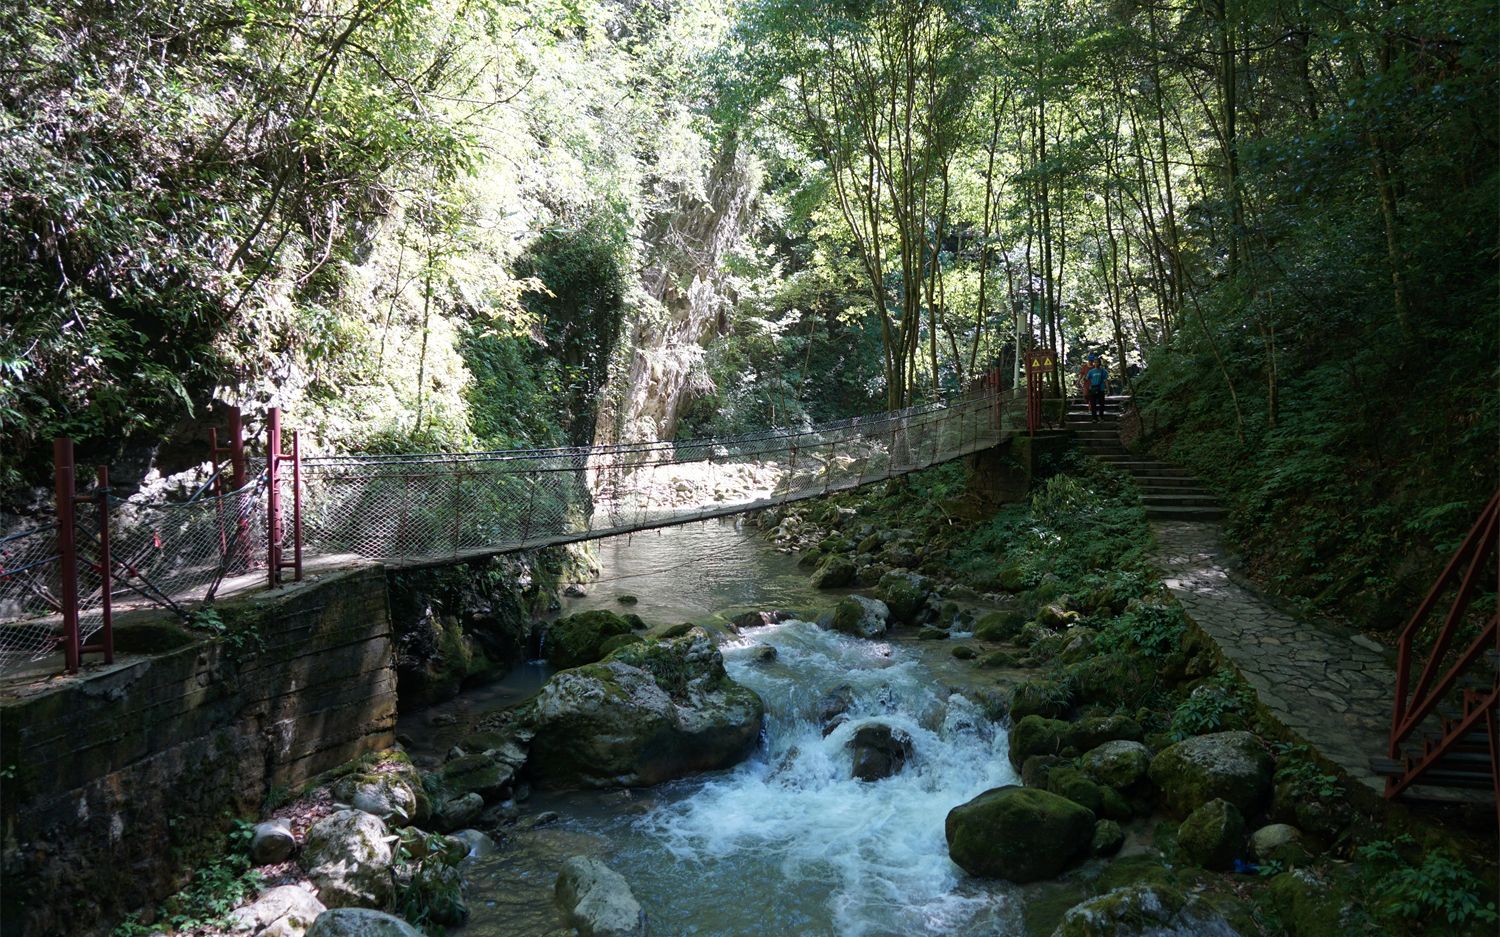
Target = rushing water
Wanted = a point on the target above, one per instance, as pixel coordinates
(787, 843)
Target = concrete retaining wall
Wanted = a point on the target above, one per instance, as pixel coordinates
(114, 781)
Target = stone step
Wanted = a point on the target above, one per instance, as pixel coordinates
(1185, 499)
(1173, 512)
(1135, 465)
(1165, 481)
(1187, 490)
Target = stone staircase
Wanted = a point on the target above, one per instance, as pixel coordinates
(1168, 492)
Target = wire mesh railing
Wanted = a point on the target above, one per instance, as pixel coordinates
(432, 506)
(60, 583)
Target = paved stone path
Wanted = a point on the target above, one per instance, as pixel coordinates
(1331, 688)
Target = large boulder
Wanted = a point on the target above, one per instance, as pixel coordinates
(360, 922)
(835, 572)
(388, 795)
(861, 617)
(999, 626)
(579, 639)
(879, 751)
(650, 713)
(1143, 910)
(1094, 731)
(284, 911)
(347, 855)
(1279, 842)
(1121, 764)
(1231, 766)
(1212, 836)
(1018, 833)
(480, 773)
(598, 900)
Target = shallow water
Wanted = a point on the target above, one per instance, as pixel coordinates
(786, 843)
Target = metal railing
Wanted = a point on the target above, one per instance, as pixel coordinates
(61, 583)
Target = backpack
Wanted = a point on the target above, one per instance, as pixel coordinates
(1096, 378)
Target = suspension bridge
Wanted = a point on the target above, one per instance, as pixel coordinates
(60, 583)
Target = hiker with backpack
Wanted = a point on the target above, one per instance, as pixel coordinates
(1097, 379)
(1083, 374)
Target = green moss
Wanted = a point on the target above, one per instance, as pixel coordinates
(579, 639)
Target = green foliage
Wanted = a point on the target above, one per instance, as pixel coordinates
(1438, 888)
(216, 888)
(1220, 703)
(1295, 767)
(1153, 630)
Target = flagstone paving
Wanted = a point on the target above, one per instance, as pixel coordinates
(1331, 687)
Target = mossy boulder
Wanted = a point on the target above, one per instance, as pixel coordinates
(860, 617)
(1212, 836)
(347, 854)
(1018, 833)
(999, 626)
(1121, 764)
(1036, 735)
(964, 652)
(1011, 577)
(1090, 733)
(1279, 842)
(1313, 905)
(1075, 785)
(1108, 838)
(905, 594)
(1144, 910)
(649, 713)
(579, 639)
(996, 660)
(1041, 698)
(1112, 679)
(835, 572)
(1232, 766)
(618, 641)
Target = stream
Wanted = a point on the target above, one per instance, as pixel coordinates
(787, 842)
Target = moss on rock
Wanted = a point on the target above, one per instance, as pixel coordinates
(579, 639)
(1018, 833)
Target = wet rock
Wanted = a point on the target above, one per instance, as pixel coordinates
(579, 639)
(1212, 836)
(360, 922)
(763, 654)
(650, 713)
(574, 591)
(1122, 764)
(879, 751)
(284, 911)
(627, 599)
(835, 572)
(1108, 838)
(475, 844)
(346, 854)
(272, 841)
(480, 773)
(929, 633)
(1143, 910)
(965, 652)
(757, 619)
(835, 703)
(996, 660)
(457, 812)
(1228, 765)
(1018, 833)
(860, 617)
(598, 900)
(545, 818)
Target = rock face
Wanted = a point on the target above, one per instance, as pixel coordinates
(650, 713)
(284, 911)
(272, 841)
(598, 901)
(861, 617)
(1143, 911)
(1120, 764)
(347, 857)
(360, 922)
(1228, 765)
(579, 639)
(879, 751)
(1018, 833)
(1212, 835)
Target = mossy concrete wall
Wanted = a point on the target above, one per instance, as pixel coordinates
(1004, 473)
(116, 780)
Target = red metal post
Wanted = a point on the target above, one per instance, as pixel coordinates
(106, 571)
(273, 496)
(67, 548)
(237, 448)
(297, 505)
